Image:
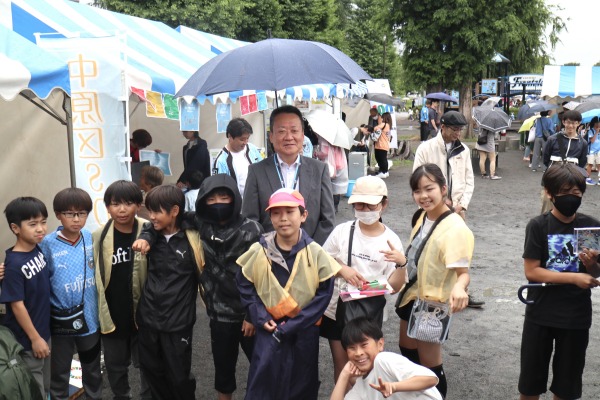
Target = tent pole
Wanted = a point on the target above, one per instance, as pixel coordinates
(69, 124)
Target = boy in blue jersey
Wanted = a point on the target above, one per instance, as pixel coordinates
(72, 285)
(26, 287)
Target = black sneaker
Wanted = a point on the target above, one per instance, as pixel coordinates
(475, 303)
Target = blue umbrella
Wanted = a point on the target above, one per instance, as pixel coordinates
(441, 96)
(273, 64)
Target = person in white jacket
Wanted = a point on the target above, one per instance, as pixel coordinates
(447, 151)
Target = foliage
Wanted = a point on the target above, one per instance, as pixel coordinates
(526, 47)
(572, 64)
(446, 44)
(370, 42)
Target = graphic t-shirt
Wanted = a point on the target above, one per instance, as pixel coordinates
(71, 268)
(119, 295)
(27, 279)
(554, 244)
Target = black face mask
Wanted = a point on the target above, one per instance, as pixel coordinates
(218, 212)
(567, 204)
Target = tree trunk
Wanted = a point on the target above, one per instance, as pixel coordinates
(466, 107)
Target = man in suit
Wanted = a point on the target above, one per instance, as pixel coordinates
(288, 168)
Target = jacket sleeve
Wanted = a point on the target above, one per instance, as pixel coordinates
(148, 233)
(548, 149)
(419, 159)
(256, 311)
(251, 205)
(583, 154)
(465, 199)
(310, 314)
(327, 211)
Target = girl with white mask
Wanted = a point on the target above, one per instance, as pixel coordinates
(367, 251)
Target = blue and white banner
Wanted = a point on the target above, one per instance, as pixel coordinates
(571, 81)
(97, 105)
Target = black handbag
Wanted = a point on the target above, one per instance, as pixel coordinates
(482, 139)
(371, 307)
(71, 321)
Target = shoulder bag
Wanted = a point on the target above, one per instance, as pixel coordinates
(371, 307)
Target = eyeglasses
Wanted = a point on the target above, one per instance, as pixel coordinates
(362, 206)
(571, 123)
(455, 129)
(72, 214)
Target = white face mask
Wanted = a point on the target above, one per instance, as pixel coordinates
(367, 217)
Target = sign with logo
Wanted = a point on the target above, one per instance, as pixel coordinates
(531, 81)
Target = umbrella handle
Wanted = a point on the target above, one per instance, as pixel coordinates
(531, 285)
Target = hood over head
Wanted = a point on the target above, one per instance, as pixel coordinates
(210, 184)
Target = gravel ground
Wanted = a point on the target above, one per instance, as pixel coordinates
(481, 358)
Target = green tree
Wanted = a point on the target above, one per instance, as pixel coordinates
(448, 44)
(220, 17)
(572, 64)
(370, 42)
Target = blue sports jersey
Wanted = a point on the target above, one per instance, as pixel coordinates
(26, 279)
(66, 262)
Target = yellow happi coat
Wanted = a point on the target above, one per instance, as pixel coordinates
(450, 242)
(311, 267)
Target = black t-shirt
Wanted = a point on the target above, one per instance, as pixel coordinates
(554, 244)
(119, 295)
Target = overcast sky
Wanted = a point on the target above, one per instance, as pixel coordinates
(580, 41)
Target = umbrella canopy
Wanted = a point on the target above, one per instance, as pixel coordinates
(571, 105)
(330, 128)
(491, 102)
(491, 118)
(273, 64)
(384, 98)
(588, 110)
(528, 123)
(441, 96)
(529, 109)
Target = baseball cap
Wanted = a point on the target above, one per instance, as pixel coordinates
(453, 118)
(285, 197)
(369, 190)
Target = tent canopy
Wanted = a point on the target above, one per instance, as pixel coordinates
(571, 81)
(24, 65)
(158, 57)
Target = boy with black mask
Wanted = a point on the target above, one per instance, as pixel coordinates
(225, 236)
(559, 317)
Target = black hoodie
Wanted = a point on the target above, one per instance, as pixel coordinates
(223, 244)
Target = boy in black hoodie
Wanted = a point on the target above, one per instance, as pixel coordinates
(225, 236)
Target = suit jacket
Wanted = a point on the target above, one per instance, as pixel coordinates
(315, 187)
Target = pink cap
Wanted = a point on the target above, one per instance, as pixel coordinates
(286, 198)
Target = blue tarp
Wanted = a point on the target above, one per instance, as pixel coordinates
(24, 65)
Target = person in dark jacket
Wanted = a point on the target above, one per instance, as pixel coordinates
(195, 158)
(167, 307)
(225, 236)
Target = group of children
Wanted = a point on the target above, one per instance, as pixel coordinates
(132, 287)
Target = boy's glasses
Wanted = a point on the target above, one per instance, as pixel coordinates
(362, 206)
(72, 214)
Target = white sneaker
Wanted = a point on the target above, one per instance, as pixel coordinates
(387, 174)
(381, 175)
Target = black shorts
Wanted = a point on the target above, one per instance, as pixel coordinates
(404, 311)
(330, 329)
(226, 339)
(569, 346)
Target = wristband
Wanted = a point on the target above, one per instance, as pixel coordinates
(403, 265)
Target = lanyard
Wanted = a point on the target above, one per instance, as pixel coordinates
(296, 176)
